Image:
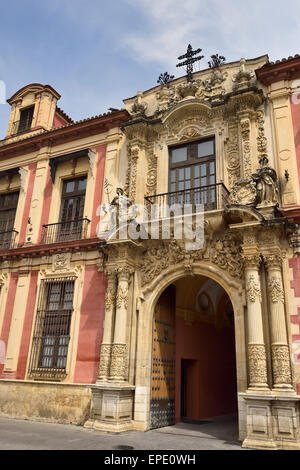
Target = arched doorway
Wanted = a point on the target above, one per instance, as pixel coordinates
(193, 375)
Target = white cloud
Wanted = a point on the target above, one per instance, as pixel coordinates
(233, 27)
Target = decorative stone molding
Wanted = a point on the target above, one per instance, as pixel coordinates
(262, 143)
(245, 126)
(232, 155)
(139, 107)
(151, 178)
(276, 290)
(105, 357)
(122, 298)
(61, 261)
(257, 364)
(131, 174)
(92, 158)
(224, 251)
(253, 289)
(273, 260)
(281, 364)
(251, 260)
(244, 192)
(244, 78)
(118, 367)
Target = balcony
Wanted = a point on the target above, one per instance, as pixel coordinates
(20, 127)
(8, 239)
(65, 231)
(212, 197)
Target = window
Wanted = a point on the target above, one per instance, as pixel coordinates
(193, 173)
(72, 207)
(52, 328)
(8, 207)
(25, 120)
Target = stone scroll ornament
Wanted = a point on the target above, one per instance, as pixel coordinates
(261, 189)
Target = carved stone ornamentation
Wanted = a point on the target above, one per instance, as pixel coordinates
(151, 180)
(262, 143)
(105, 358)
(244, 192)
(139, 107)
(224, 252)
(281, 364)
(245, 132)
(257, 364)
(276, 290)
(253, 289)
(122, 297)
(118, 367)
(266, 184)
(232, 155)
(244, 78)
(61, 261)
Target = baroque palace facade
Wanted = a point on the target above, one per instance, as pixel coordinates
(121, 333)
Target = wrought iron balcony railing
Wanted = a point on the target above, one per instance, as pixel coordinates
(19, 127)
(65, 231)
(8, 239)
(212, 197)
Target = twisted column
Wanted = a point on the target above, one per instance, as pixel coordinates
(118, 367)
(110, 306)
(256, 344)
(282, 375)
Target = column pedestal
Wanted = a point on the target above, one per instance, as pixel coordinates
(112, 408)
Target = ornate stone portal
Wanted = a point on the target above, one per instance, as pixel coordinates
(243, 251)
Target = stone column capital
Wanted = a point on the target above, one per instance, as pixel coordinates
(251, 260)
(273, 261)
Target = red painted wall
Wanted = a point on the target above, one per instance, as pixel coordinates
(212, 390)
(58, 121)
(27, 326)
(101, 150)
(295, 319)
(32, 171)
(8, 312)
(91, 326)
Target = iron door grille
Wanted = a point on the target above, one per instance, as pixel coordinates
(51, 334)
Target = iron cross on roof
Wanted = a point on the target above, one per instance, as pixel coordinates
(190, 60)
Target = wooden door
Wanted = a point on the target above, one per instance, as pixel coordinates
(162, 402)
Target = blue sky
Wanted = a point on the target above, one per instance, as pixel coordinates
(95, 53)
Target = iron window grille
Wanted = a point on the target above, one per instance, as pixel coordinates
(51, 334)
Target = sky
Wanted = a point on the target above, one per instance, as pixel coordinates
(96, 53)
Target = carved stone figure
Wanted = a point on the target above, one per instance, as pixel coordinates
(266, 183)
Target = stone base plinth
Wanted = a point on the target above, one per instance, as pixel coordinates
(111, 408)
(272, 421)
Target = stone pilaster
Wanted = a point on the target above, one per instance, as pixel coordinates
(282, 376)
(110, 307)
(118, 366)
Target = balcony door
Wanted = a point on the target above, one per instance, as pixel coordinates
(8, 208)
(72, 207)
(192, 178)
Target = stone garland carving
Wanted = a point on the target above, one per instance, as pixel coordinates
(118, 367)
(122, 297)
(276, 290)
(281, 364)
(131, 174)
(245, 132)
(232, 155)
(105, 357)
(262, 143)
(257, 364)
(224, 252)
(151, 180)
(253, 290)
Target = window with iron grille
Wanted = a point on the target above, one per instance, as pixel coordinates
(51, 334)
